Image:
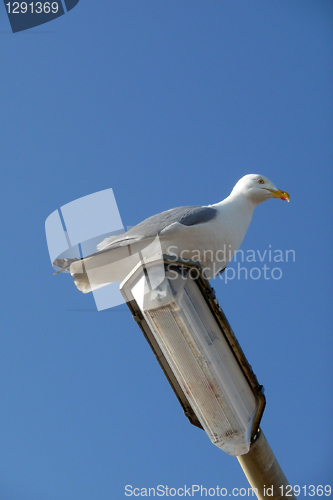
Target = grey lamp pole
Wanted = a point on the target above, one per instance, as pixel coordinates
(195, 346)
(264, 472)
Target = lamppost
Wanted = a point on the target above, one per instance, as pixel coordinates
(180, 317)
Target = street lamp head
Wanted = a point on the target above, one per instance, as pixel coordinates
(177, 310)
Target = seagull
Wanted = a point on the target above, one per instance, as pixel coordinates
(210, 235)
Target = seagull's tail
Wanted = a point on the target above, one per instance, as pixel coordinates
(78, 273)
(103, 267)
(64, 264)
(80, 277)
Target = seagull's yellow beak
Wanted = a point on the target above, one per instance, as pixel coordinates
(277, 193)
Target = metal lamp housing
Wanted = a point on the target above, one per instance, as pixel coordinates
(180, 317)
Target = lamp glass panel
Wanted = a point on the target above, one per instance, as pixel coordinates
(200, 358)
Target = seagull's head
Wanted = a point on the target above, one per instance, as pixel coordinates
(258, 189)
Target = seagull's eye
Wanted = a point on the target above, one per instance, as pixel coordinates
(261, 181)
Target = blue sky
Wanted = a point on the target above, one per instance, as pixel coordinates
(169, 103)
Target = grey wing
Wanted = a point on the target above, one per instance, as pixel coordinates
(151, 227)
(197, 215)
